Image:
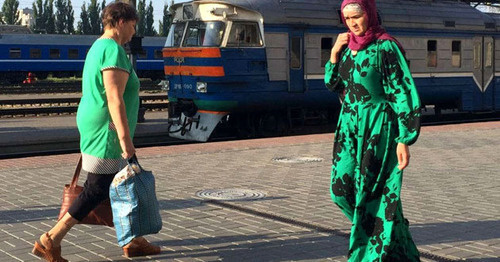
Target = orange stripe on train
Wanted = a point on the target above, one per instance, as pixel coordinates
(191, 52)
(195, 70)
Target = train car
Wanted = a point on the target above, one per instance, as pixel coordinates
(64, 55)
(259, 65)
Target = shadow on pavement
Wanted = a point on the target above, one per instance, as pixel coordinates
(263, 248)
(29, 214)
(425, 234)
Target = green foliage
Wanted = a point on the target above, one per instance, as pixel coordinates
(166, 21)
(50, 19)
(38, 16)
(141, 12)
(150, 30)
(84, 23)
(70, 19)
(10, 13)
(94, 17)
(61, 18)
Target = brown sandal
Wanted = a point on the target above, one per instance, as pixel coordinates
(142, 249)
(49, 253)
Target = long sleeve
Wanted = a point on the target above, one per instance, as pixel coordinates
(401, 92)
(332, 79)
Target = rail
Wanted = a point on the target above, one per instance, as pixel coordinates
(61, 87)
(60, 106)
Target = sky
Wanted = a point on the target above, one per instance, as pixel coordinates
(77, 7)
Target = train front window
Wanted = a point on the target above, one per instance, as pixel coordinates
(174, 37)
(204, 34)
(244, 34)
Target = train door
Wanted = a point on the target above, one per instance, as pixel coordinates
(296, 62)
(484, 68)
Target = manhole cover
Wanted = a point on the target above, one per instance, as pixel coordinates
(302, 159)
(230, 194)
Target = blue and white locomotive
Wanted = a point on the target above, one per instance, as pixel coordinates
(64, 55)
(258, 65)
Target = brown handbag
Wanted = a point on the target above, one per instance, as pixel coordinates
(101, 215)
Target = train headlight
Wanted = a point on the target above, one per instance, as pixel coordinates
(201, 87)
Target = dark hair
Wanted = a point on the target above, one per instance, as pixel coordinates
(117, 11)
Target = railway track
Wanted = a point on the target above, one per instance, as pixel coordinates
(61, 87)
(64, 106)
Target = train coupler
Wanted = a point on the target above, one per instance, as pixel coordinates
(198, 127)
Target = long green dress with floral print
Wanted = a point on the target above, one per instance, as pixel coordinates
(381, 109)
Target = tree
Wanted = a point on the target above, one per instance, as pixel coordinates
(103, 5)
(38, 16)
(94, 18)
(150, 30)
(50, 19)
(166, 21)
(70, 19)
(141, 13)
(10, 13)
(84, 24)
(61, 17)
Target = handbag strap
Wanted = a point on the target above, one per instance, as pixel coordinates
(74, 181)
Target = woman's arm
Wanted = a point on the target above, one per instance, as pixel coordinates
(402, 95)
(115, 81)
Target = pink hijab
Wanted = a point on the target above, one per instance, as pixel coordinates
(375, 31)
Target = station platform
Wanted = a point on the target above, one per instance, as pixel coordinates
(53, 133)
(450, 196)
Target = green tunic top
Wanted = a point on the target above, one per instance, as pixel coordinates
(381, 109)
(99, 143)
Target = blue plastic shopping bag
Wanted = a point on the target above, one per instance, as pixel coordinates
(134, 204)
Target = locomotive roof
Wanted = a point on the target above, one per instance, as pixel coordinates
(428, 14)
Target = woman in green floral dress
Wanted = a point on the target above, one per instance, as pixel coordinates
(379, 119)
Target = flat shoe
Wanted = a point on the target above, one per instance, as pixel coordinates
(143, 249)
(49, 253)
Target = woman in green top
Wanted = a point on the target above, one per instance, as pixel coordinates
(379, 119)
(106, 119)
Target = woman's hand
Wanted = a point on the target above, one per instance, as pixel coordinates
(403, 153)
(342, 40)
(128, 148)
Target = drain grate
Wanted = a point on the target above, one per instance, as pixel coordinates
(301, 159)
(230, 194)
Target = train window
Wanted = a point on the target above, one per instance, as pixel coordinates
(174, 37)
(477, 55)
(456, 53)
(143, 54)
(35, 53)
(244, 34)
(488, 60)
(158, 54)
(15, 53)
(326, 47)
(73, 53)
(432, 53)
(54, 53)
(295, 54)
(204, 33)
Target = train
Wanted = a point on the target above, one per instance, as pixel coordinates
(64, 55)
(258, 66)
